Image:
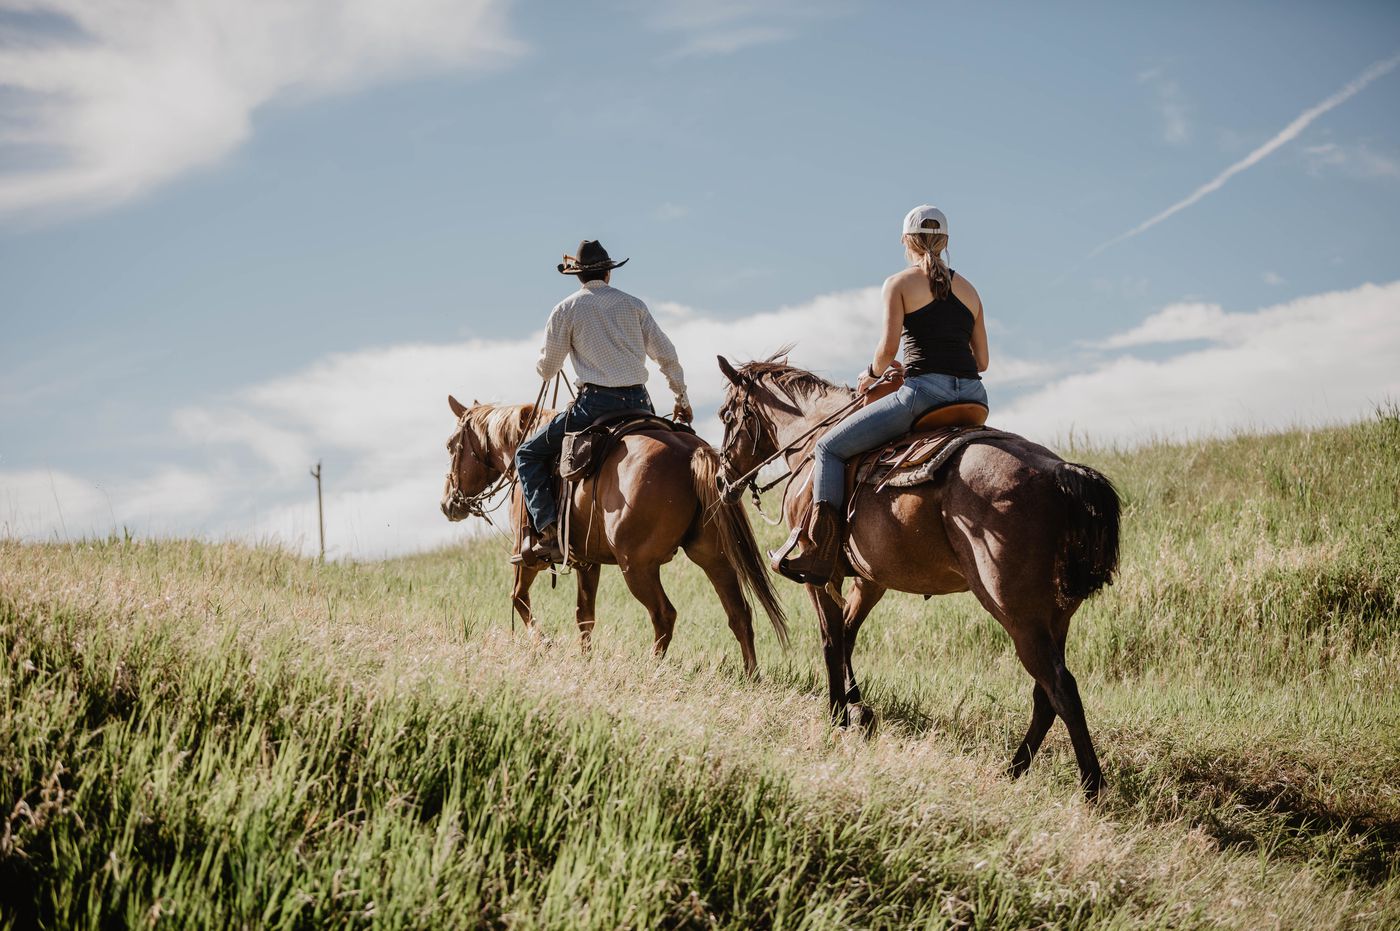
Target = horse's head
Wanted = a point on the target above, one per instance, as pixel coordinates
(748, 435)
(473, 467)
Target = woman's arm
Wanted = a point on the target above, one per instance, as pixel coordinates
(979, 329)
(888, 346)
(979, 340)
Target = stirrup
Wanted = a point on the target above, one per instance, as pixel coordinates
(777, 559)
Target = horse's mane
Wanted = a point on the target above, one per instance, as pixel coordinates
(502, 426)
(789, 378)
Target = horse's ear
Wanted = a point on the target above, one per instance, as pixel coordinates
(457, 409)
(729, 371)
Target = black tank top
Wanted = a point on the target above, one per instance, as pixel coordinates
(938, 338)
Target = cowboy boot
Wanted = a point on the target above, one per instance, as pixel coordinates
(819, 560)
(543, 551)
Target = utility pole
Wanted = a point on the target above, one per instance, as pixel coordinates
(320, 511)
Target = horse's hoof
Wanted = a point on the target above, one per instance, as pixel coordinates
(864, 719)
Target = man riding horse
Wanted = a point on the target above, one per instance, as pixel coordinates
(608, 334)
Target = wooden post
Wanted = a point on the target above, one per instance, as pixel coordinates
(320, 511)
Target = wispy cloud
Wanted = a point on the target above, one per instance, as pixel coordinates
(1246, 376)
(1283, 137)
(723, 27)
(1358, 161)
(1171, 105)
(125, 95)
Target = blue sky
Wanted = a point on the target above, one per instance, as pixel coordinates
(205, 219)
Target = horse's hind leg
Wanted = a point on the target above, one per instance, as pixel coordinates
(1042, 716)
(644, 581)
(587, 597)
(707, 554)
(1043, 655)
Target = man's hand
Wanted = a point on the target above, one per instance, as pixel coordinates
(682, 413)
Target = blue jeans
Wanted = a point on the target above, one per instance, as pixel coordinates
(536, 457)
(887, 419)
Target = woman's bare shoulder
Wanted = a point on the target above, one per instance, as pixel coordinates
(967, 293)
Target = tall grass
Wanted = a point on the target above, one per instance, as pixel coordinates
(206, 735)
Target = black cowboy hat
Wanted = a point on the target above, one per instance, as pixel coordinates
(592, 257)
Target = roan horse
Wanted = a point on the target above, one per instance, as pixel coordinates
(1030, 534)
(653, 494)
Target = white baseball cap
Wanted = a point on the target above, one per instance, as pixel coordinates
(914, 220)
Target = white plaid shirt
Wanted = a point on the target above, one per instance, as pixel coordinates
(609, 333)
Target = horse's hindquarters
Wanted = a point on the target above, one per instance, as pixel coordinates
(640, 505)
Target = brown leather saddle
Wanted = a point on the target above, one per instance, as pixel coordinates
(934, 438)
(585, 451)
(912, 459)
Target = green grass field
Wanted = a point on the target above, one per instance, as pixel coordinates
(198, 735)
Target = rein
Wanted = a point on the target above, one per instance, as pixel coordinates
(731, 491)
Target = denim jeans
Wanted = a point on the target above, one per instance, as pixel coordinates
(887, 419)
(536, 457)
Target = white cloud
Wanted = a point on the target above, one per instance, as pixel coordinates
(1171, 106)
(1274, 278)
(379, 418)
(1315, 360)
(1175, 323)
(1283, 137)
(140, 92)
(41, 504)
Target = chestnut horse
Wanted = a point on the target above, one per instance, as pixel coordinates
(1031, 535)
(654, 493)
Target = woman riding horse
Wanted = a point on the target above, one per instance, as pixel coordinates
(940, 317)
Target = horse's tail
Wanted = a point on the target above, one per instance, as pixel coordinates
(1088, 553)
(736, 536)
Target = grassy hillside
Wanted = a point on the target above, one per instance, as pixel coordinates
(197, 735)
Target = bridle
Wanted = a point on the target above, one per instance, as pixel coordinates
(730, 491)
(463, 442)
(747, 422)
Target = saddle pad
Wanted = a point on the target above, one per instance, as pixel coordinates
(916, 459)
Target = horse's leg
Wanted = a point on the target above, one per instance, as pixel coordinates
(520, 595)
(859, 603)
(1042, 716)
(644, 581)
(587, 575)
(833, 626)
(1043, 655)
(709, 556)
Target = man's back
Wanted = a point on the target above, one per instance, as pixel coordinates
(609, 334)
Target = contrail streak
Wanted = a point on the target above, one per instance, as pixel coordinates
(1288, 134)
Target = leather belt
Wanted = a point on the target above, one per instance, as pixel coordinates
(589, 385)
